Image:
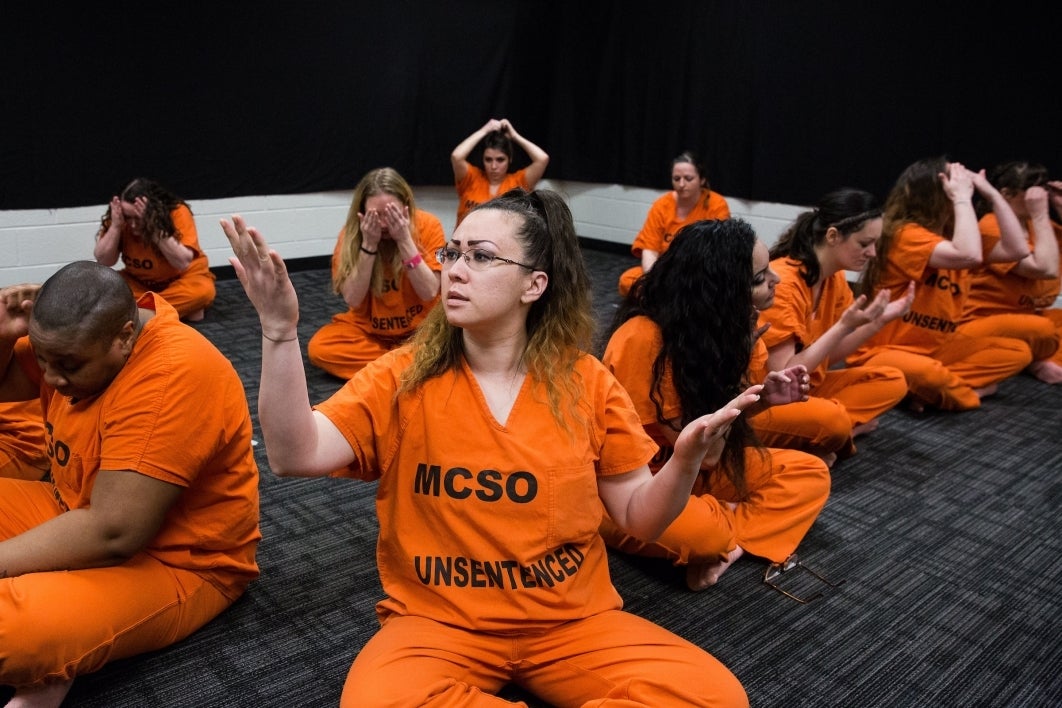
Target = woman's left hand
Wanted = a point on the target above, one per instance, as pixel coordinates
(787, 386)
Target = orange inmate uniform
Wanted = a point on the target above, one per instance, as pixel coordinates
(474, 189)
(1005, 304)
(22, 453)
(176, 412)
(840, 398)
(382, 322)
(943, 366)
(662, 223)
(488, 552)
(786, 488)
(146, 269)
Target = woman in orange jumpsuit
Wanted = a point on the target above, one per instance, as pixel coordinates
(690, 199)
(930, 236)
(1017, 299)
(495, 442)
(815, 321)
(682, 347)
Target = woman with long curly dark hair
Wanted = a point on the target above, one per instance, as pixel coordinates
(682, 345)
(153, 232)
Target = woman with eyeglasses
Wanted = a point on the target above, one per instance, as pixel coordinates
(495, 441)
(384, 267)
(682, 345)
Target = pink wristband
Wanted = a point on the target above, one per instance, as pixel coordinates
(413, 262)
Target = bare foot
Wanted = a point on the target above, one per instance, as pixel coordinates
(863, 428)
(986, 391)
(1046, 370)
(700, 576)
(195, 316)
(50, 695)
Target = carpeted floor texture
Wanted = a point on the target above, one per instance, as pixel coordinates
(944, 527)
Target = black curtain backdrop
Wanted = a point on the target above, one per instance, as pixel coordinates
(782, 100)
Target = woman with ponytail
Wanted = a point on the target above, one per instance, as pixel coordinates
(495, 441)
(815, 321)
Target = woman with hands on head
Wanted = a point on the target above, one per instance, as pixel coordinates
(930, 236)
(153, 232)
(488, 540)
(1016, 299)
(385, 269)
(475, 185)
(814, 320)
(749, 499)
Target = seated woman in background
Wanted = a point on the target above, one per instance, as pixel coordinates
(930, 236)
(690, 200)
(815, 321)
(384, 267)
(681, 347)
(495, 442)
(1016, 299)
(154, 233)
(474, 185)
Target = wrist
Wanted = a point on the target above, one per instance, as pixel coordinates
(414, 261)
(368, 251)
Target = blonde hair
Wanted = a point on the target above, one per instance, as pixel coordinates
(388, 262)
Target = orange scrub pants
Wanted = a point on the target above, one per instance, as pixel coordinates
(787, 490)
(609, 659)
(56, 625)
(187, 294)
(1040, 332)
(343, 348)
(947, 379)
(823, 424)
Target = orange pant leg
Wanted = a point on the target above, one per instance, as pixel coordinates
(187, 294)
(787, 490)
(1056, 319)
(818, 425)
(627, 279)
(1039, 332)
(613, 658)
(929, 381)
(342, 348)
(981, 361)
(56, 625)
(190, 293)
(865, 391)
(22, 452)
(702, 533)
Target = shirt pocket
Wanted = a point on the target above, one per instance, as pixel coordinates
(574, 509)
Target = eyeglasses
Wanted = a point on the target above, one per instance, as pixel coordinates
(475, 258)
(772, 577)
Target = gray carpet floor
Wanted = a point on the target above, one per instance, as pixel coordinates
(944, 527)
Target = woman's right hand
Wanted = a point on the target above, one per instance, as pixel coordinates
(265, 279)
(117, 216)
(16, 303)
(957, 182)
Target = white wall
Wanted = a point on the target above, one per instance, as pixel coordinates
(35, 243)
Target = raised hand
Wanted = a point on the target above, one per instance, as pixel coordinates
(16, 304)
(790, 385)
(264, 278)
(704, 439)
(395, 221)
(957, 182)
(898, 307)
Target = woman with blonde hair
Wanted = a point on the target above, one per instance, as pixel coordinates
(384, 267)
